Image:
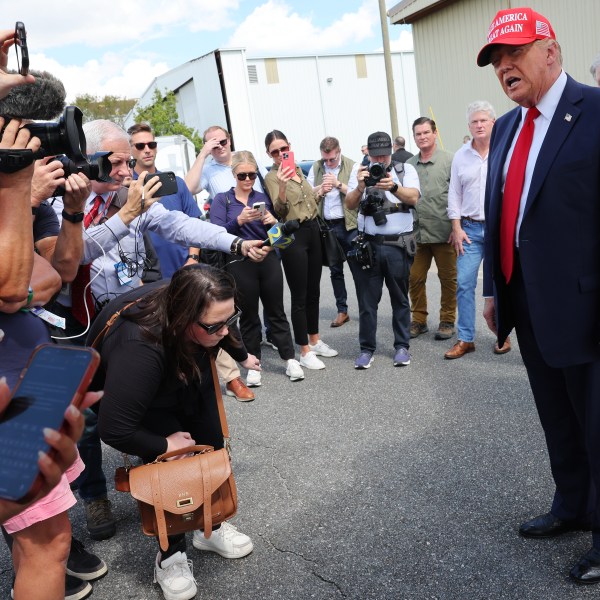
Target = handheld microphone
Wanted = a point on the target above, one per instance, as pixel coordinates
(281, 235)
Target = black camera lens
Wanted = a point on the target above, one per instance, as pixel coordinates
(65, 137)
(97, 167)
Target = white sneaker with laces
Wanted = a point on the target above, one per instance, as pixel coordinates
(294, 370)
(253, 378)
(226, 541)
(310, 361)
(322, 349)
(174, 575)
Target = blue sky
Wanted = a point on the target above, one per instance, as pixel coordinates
(95, 47)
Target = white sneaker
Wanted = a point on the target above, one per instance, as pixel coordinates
(253, 378)
(226, 541)
(174, 575)
(322, 349)
(310, 361)
(294, 370)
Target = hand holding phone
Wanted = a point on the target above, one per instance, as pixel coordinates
(21, 48)
(287, 161)
(55, 377)
(168, 180)
(260, 207)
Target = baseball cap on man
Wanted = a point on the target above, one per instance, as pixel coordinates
(379, 144)
(515, 27)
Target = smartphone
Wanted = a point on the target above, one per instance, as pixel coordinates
(54, 377)
(287, 160)
(169, 183)
(260, 207)
(21, 48)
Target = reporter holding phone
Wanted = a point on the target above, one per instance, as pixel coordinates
(235, 211)
(294, 198)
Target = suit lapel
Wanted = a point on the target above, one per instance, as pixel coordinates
(562, 123)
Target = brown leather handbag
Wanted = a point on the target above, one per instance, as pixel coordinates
(194, 492)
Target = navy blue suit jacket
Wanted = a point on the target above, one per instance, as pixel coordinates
(559, 238)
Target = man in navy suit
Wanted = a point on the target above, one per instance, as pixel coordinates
(542, 269)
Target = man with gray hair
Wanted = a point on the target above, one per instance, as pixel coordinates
(595, 70)
(465, 210)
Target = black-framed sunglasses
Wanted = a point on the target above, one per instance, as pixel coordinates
(216, 327)
(142, 145)
(275, 153)
(244, 176)
(223, 142)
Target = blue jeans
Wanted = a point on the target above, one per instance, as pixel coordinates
(391, 265)
(467, 267)
(336, 271)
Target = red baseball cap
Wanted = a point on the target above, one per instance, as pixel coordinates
(515, 27)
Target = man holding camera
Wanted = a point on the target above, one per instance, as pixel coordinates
(385, 245)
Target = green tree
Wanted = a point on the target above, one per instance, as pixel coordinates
(112, 108)
(162, 116)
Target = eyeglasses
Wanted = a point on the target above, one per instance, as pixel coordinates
(243, 176)
(333, 159)
(223, 142)
(142, 145)
(275, 153)
(216, 327)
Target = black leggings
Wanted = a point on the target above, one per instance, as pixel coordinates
(262, 280)
(302, 263)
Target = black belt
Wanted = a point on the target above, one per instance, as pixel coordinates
(381, 239)
(340, 220)
(471, 220)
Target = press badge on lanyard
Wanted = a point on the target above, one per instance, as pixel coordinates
(122, 275)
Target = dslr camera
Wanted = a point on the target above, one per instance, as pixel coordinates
(377, 171)
(372, 206)
(362, 252)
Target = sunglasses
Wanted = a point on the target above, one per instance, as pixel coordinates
(142, 145)
(244, 176)
(223, 143)
(275, 153)
(332, 160)
(216, 327)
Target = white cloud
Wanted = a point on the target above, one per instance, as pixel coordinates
(274, 27)
(95, 23)
(107, 75)
(403, 43)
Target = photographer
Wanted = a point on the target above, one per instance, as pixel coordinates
(384, 248)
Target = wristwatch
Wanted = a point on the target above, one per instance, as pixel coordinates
(75, 218)
(339, 186)
(195, 257)
(394, 188)
(236, 246)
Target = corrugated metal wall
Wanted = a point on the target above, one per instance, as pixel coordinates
(446, 46)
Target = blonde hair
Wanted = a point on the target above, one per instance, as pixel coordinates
(242, 157)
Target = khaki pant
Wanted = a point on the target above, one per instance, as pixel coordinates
(445, 260)
(227, 368)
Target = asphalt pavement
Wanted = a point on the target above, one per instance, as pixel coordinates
(390, 483)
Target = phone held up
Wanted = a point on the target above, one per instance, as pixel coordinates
(55, 377)
(260, 207)
(169, 183)
(287, 161)
(21, 48)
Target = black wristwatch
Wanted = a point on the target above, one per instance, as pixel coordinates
(195, 257)
(236, 246)
(394, 188)
(76, 218)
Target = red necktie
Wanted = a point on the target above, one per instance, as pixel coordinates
(80, 296)
(513, 188)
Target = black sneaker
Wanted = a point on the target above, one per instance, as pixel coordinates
(83, 564)
(75, 589)
(101, 524)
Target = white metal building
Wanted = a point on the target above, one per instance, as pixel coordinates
(306, 97)
(448, 34)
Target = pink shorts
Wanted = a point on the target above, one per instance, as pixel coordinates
(56, 501)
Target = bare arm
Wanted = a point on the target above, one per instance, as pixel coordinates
(194, 175)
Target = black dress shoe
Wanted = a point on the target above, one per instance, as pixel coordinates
(587, 570)
(548, 526)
